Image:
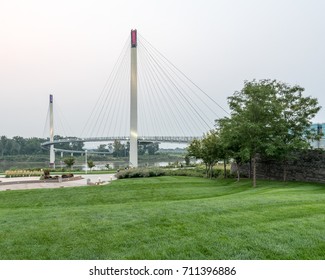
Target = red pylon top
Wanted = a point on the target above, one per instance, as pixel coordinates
(134, 38)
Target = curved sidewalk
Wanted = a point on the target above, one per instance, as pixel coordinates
(23, 183)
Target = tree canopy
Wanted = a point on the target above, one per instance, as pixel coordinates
(69, 162)
(90, 164)
(208, 149)
(268, 118)
(21, 146)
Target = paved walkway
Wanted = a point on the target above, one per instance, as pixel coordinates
(25, 182)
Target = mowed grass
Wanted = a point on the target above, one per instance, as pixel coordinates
(165, 218)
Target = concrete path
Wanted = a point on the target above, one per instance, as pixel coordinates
(23, 183)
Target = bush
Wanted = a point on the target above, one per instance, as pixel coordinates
(186, 172)
(219, 173)
(140, 173)
(155, 172)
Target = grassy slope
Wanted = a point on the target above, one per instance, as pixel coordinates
(165, 218)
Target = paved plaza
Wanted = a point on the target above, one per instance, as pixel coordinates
(22, 183)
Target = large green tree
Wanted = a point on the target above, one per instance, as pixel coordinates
(270, 118)
(292, 131)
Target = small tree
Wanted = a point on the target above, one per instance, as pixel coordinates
(208, 149)
(107, 165)
(90, 164)
(69, 162)
(232, 143)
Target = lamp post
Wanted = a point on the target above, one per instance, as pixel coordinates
(52, 152)
(86, 163)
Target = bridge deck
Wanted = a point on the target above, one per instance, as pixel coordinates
(165, 139)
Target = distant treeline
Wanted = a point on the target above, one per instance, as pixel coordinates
(21, 146)
(30, 146)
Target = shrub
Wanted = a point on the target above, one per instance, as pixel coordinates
(155, 172)
(219, 173)
(140, 173)
(186, 172)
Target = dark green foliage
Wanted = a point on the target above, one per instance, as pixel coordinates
(90, 164)
(21, 146)
(140, 172)
(155, 172)
(209, 149)
(32, 146)
(152, 148)
(119, 149)
(186, 172)
(268, 118)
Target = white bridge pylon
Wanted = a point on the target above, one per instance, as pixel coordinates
(134, 102)
(52, 152)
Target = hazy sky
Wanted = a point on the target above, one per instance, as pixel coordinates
(69, 47)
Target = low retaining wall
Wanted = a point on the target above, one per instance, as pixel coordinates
(56, 180)
(308, 166)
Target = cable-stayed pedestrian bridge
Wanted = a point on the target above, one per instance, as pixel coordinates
(145, 95)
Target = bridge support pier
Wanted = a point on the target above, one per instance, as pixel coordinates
(133, 103)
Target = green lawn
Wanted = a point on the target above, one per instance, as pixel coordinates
(165, 218)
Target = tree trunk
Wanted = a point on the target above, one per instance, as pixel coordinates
(285, 169)
(254, 171)
(210, 170)
(224, 169)
(238, 171)
(250, 168)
